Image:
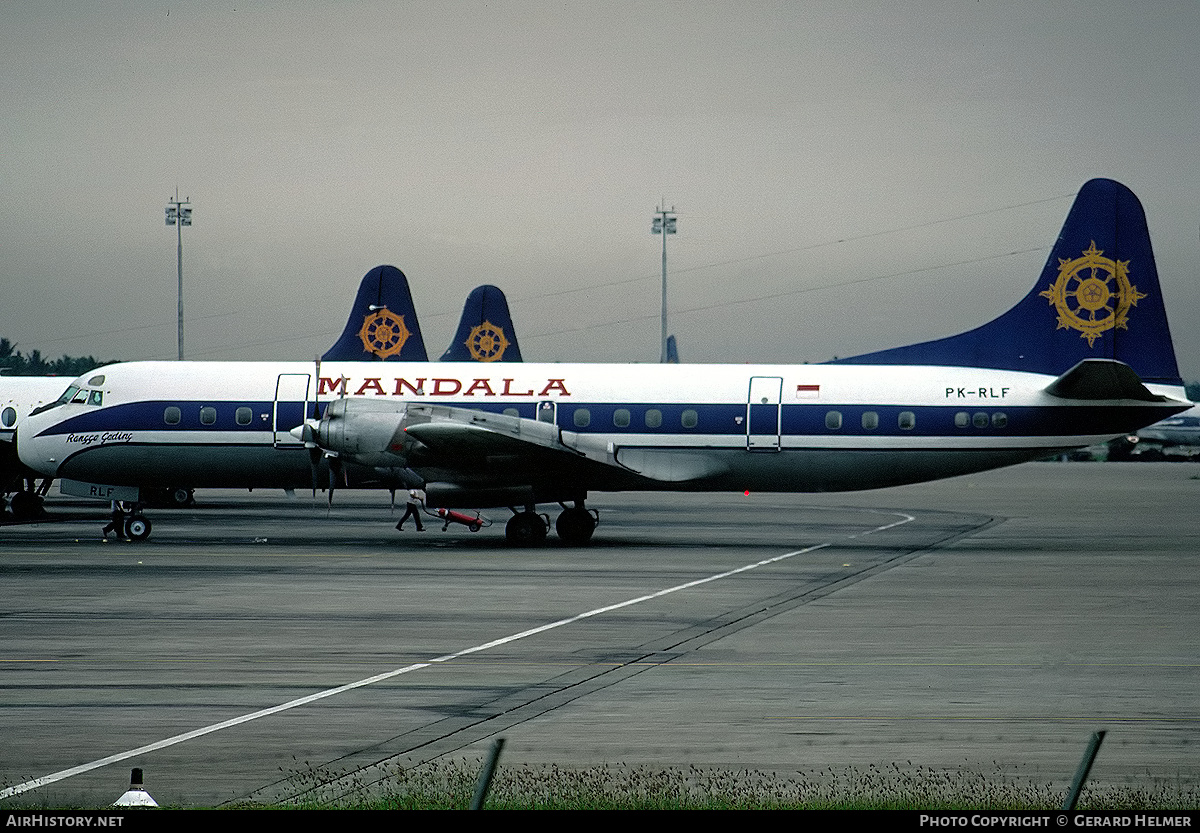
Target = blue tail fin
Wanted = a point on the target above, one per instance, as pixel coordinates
(672, 350)
(485, 331)
(383, 322)
(1098, 298)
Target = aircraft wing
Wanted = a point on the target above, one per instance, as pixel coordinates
(465, 445)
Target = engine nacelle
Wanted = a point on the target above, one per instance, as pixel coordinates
(364, 431)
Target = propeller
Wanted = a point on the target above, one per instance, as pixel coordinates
(336, 473)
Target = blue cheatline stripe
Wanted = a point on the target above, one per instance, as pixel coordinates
(714, 419)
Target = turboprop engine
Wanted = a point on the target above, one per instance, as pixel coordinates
(363, 431)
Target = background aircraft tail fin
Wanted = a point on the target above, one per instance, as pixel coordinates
(485, 331)
(383, 322)
(672, 350)
(1098, 297)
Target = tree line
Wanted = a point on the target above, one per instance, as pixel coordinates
(15, 363)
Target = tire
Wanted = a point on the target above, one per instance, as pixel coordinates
(525, 529)
(137, 528)
(575, 526)
(26, 505)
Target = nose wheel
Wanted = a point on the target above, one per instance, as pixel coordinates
(137, 528)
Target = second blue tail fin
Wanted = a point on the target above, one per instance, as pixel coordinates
(485, 331)
(1098, 298)
(383, 322)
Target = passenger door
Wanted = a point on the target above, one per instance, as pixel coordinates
(762, 413)
(291, 407)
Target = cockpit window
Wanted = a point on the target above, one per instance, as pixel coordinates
(80, 397)
(67, 396)
(96, 397)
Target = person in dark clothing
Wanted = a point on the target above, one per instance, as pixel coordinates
(416, 500)
(117, 524)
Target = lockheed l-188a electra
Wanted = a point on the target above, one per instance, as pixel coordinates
(1084, 357)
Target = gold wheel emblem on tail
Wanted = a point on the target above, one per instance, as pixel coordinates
(383, 333)
(1092, 294)
(487, 343)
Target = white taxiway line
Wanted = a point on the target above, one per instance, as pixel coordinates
(8, 792)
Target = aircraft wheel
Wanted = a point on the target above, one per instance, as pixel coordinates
(575, 526)
(138, 528)
(525, 529)
(26, 505)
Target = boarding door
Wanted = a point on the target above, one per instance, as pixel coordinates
(762, 413)
(291, 407)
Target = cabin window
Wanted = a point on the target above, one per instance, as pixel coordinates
(653, 418)
(906, 421)
(980, 420)
(208, 415)
(171, 415)
(8, 417)
(243, 416)
(999, 420)
(962, 419)
(833, 420)
(689, 418)
(621, 417)
(513, 412)
(583, 417)
(870, 420)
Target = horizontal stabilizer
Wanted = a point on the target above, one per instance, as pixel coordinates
(1101, 379)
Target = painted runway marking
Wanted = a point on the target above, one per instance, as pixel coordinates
(8, 792)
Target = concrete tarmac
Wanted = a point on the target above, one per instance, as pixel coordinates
(987, 623)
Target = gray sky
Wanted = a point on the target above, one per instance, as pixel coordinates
(527, 144)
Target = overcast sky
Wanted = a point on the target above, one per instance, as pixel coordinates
(848, 176)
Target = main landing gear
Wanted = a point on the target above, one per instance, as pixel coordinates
(574, 526)
(526, 529)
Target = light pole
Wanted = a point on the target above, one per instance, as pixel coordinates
(664, 224)
(179, 214)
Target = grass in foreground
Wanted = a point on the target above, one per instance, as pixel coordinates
(450, 785)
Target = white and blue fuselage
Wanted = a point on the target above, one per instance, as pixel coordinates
(693, 427)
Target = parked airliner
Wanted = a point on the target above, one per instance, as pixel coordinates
(19, 396)
(382, 326)
(1085, 356)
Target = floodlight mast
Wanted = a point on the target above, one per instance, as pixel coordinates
(179, 214)
(664, 224)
